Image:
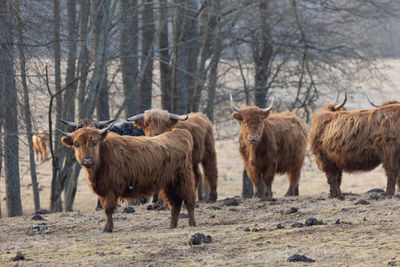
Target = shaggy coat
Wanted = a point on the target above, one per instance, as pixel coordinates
(133, 167)
(156, 122)
(41, 146)
(357, 140)
(271, 144)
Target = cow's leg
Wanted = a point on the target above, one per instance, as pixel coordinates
(268, 186)
(392, 172)
(209, 163)
(190, 203)
(398, 184)
(334, 179)
(197, 179)
(175, 204)
(109, 204)
(99, 207)
(294, 177)
(258, 189)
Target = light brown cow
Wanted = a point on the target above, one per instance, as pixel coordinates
(41, 146)
(155, 122)
(270, 144)
(356, 140)
(133, 167)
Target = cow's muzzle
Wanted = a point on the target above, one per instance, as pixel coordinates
(87, 162)
(252, 138)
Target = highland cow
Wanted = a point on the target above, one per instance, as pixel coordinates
(133, 167)
(355, 141)
(155, 122)
(270, 144)
(41, 146)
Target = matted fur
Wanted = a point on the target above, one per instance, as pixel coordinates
(357, 140)
(271, 144)
(41, 146)
(133, 167)
(158, 121)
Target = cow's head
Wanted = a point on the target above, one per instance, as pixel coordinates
(72, 125)
(336, 107)
(251, 120)
(155, 122)
(85, 141)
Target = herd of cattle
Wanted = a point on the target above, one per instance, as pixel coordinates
(166, 159)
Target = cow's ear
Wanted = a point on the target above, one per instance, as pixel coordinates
(67, 141)
(237, 116)
(173, 122)
(139, 123)
(266, 114)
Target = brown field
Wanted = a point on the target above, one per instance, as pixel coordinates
(246, 234)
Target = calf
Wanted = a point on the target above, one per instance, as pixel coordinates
(41, 146)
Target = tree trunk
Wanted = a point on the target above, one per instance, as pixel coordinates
(129, 54)
(56, 183)
(146, 61)
(7, 83)
(1, 132)
(27, 112)
(83, 62)
(165, 72)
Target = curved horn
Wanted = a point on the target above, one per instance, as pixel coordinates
(371, 103)
(69, 123)
(103, 123)
(108, 127)
(178, 117)
(270, 106)
(64, 133)
(342, 103)
(233, 106)
(136, 117)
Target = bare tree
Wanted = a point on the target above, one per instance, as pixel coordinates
(164, 57)
(7, 83)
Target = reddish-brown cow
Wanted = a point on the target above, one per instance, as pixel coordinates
(41, 146)
(133, 167)
(270, 144)
(357, 140)
(155, 122)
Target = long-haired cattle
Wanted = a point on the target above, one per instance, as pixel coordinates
(270, 144)
(357, 140)
(133, 167)
(41, 146)
(155, 122)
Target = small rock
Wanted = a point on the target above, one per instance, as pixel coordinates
(298, 224)
(233, 209)
(230, 202)
(19, 256)
(143, 200)
(271, 199)
(293, 210)
(129, 209)
(280, 226)
(43, 211)
(363, 202)
(156, 206)
(212, 216)
(376, 190)
(199, 238)
(338, 221)
(365, 219)
(376, 196)
(183, 215)
(38, 217)
(214, 208)
(311, 221)
(247, 229)
(297, 257)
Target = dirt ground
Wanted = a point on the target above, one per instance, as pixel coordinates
(253, 233)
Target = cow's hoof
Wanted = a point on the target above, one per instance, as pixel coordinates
(107, 230)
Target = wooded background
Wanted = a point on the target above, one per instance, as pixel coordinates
(104, 59)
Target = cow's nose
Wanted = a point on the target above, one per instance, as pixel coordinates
(87, 162)
(252, 138)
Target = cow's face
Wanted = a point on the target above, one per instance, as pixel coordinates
(85, 142)
(252, 123)
(155, 122)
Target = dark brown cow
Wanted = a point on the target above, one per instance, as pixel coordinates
(155, 122)
(270, 144)
(133, 167)
(356, 140)
(41, 146)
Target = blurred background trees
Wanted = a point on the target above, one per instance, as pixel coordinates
(117, 58)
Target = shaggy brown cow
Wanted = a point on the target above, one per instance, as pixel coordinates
(41, 146)
(270, 144)
(133, 167)
(357, 140)
(155, 122)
